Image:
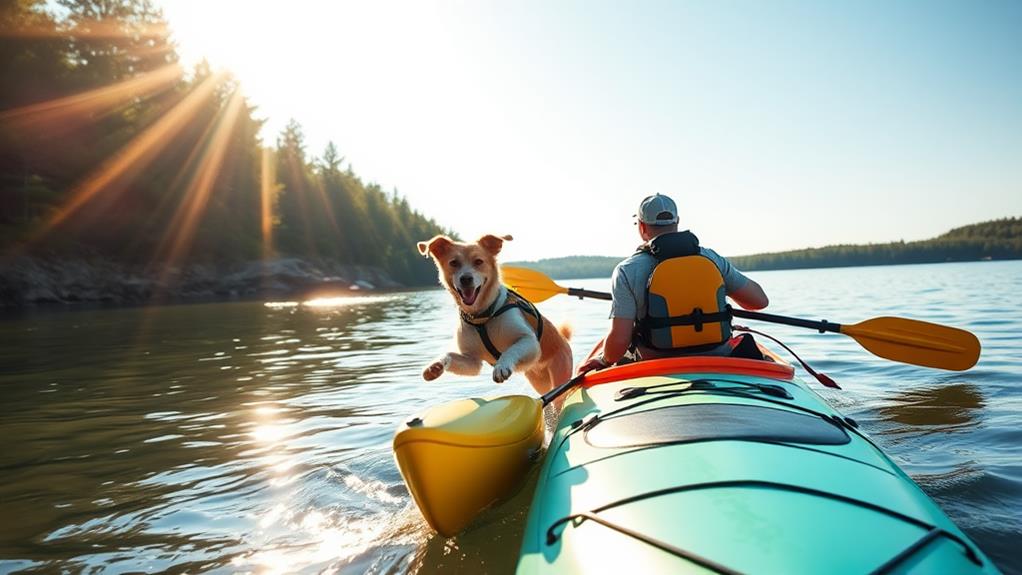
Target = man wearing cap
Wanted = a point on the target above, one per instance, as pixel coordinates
(658, 215)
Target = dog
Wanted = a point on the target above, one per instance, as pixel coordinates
(498, 326)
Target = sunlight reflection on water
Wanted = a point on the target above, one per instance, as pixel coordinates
(331, 302)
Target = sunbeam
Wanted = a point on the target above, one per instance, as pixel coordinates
(328, 209)
(267, 193)
(86, 105)
(133, 157)
(94, 29)
(299, 192)
(180, 233)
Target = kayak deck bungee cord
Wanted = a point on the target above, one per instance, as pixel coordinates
(693, 469)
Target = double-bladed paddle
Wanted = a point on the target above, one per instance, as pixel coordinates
(898, 339)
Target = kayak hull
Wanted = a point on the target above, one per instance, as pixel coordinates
(460, 457)
(719, 465)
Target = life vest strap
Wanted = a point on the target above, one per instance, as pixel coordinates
(696, 319)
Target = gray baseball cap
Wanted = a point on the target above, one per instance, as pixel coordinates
(658, 210)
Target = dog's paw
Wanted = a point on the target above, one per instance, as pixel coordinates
(501, 373)
(433, 371)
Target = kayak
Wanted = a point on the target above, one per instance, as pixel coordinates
(728, 465)
(693, 464)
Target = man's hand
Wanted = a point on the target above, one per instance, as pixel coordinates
(593, 364)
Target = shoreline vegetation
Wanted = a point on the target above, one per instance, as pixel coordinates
(992, 240)
(127, 179)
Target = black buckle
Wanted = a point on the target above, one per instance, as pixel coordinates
(697, 319)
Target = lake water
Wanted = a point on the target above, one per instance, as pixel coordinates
(255, 437)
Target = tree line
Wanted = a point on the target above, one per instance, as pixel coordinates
(109, 147)
(993, 240)
(573, 267)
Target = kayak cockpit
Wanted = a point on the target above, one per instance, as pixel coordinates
(691, 364)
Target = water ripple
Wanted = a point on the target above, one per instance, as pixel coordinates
(250, 437)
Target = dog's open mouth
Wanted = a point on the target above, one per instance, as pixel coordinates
(468, 294)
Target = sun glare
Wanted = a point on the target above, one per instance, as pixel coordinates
(246, 39)
(277, 54)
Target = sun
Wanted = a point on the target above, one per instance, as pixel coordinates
(284, 55)
(244, 38)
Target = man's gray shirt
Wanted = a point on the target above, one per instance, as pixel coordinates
(632, 275)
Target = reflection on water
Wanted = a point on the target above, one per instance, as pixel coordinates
(230, 436)
(945, 408)
(489, 546)
(256, 437)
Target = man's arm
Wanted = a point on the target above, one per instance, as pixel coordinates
(750, 296)
(614, 344)
(740, 288)
(622, 321)
(618, 339)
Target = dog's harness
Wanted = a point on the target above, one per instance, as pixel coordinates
(513, 301)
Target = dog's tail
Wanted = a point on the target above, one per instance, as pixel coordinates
(565, 330)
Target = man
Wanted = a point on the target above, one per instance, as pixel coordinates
(658, 226)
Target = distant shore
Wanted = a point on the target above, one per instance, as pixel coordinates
(993, 240)
(557, 272)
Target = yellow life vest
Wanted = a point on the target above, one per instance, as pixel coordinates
(685, 305)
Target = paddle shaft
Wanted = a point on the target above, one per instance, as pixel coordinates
(900, 339)
(560, 389)
(822, 325)
(581, 293)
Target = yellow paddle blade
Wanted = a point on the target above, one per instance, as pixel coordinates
(916, 342)
(532, 285)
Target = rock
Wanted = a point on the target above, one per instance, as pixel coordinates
(51, 279)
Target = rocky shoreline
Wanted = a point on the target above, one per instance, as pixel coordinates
(29, 281)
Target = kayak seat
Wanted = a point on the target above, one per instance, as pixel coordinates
(713, 421)
(745, 346)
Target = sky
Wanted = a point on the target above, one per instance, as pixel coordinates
(774, 125)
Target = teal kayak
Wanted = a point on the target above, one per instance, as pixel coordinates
(726, 465)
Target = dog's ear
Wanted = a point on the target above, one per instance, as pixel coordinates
(435, 247)
(492, 243)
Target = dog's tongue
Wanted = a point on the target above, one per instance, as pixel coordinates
(469, 294)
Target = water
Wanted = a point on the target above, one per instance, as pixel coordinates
(251, 437)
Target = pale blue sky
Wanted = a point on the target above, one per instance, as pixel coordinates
(775, 125)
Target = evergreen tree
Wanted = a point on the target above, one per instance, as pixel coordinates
(179, 163)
